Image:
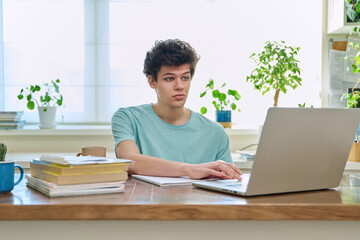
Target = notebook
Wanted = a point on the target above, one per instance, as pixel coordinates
(164, 181)
(300, 149)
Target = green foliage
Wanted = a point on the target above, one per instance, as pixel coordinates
(277, 69)
(354, 58)
(50, 96)
(304, 105)
(352, 98)
(352, 9)
(223, 100)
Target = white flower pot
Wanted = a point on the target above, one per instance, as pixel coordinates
(47, 117)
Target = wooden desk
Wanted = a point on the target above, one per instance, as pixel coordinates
(143, 201)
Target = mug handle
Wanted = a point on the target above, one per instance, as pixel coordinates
(21, 174)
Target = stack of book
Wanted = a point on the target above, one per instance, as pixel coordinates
(57, 176)
(11, 120)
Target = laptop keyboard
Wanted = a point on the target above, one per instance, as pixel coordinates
(240, 186)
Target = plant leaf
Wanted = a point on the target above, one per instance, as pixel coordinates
(203, 110)
(202, 94)
(31, 105)
(215, 93)
(222, 97)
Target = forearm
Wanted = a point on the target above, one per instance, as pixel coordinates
(153, 166)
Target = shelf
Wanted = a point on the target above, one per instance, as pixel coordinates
(337, 22)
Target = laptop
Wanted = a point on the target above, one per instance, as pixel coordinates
(300, 149)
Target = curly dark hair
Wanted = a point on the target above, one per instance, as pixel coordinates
(171, 52)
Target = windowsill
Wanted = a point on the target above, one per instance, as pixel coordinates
(60, 130)
(90, 130)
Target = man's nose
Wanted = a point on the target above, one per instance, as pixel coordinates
(179, 84)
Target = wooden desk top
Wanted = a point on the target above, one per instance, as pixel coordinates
(144, 201)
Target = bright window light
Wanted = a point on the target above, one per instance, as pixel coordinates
(97, 49)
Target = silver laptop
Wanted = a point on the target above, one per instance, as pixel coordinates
(300, 149)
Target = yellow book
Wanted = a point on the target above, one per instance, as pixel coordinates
(80, 169)
(78, 179)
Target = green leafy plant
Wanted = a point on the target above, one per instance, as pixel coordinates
(277, 69)
(49, 97)
(354, 58)
(352, 98)
(304, 105)
(223, 100)
(352, 9)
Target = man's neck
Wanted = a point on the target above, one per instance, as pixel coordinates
(173, 116)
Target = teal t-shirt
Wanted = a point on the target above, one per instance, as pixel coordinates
(200, 140)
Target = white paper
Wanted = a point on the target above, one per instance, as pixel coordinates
(165, 181)
(82, 160)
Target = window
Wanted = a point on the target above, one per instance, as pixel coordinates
(43, 40)
(97, 49)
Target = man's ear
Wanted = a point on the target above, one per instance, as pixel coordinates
(151, 82)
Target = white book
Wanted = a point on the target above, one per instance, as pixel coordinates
(54, 190)
(81, 160)
(11, 113)
(11, 123)
(165, 181)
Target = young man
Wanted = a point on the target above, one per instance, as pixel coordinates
(165, 138)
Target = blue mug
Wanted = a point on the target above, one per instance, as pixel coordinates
(7, 172)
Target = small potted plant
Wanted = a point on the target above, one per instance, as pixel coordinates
(277, 69)
(224, 103)
(353, 94)
(47, 99)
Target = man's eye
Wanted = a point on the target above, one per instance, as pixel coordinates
(168, 79)
(186, 78)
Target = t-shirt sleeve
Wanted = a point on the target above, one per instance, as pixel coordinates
(122, 127)
(224, 148)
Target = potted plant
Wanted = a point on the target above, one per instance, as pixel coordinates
(224, 103)
(277, 69)
(352, 9)
(353, 94)
(46, 99)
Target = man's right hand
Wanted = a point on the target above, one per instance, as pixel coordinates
(218, 169)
